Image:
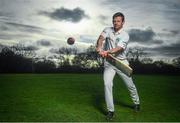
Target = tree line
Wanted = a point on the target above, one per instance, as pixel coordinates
(21, 59)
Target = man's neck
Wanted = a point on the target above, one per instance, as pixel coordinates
(116, 30)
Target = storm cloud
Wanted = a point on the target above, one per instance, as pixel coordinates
(29, 48)
(64, 14)
(139, 35)
(54, 50)
(21, 27)
(175, 32)
(44, 43)
(172, 50)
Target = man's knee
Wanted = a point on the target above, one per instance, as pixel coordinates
(131, 87)
(108, 83)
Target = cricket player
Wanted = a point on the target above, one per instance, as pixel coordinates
(114, 40)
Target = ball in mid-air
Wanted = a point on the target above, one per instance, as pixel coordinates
(70, 40)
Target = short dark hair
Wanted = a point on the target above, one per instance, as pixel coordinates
(119, 14)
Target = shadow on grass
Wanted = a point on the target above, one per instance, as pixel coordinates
(123, 104)
(98, 103)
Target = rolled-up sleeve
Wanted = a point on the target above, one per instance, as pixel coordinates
(105, 32)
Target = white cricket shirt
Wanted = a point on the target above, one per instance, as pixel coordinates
(115, 39)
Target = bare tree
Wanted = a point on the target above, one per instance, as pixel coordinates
(134, 54)
(147, 61)
(66, 55)
(68, 51)
(176, 62)
(26, 51)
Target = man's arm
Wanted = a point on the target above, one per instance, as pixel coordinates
(115, 50)
(99, 43)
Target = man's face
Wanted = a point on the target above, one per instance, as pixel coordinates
(118, 23)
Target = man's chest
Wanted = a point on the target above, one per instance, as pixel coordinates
(115, 38)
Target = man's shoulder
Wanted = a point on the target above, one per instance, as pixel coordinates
(125, 33)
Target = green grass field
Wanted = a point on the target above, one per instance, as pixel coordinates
(80, 97)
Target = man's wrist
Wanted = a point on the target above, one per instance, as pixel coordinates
(109, 51)
(98, 49)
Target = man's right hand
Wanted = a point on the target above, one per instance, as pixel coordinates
(103, 54)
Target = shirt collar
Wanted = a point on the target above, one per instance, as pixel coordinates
(118, 32)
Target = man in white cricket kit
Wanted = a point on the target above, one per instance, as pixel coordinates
(114, 40)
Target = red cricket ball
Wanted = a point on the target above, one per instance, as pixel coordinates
(70, 40)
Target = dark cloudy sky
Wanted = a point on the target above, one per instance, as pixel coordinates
(46, 24)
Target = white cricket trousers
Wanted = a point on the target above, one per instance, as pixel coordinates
(108, 76)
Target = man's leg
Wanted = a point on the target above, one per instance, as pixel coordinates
(108, 76)
(130, 85)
